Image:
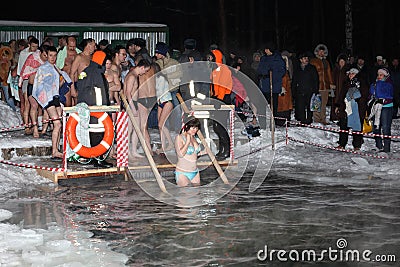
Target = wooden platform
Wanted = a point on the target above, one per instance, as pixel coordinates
(38, 156)
(139, 167)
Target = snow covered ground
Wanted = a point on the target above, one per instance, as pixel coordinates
(54, 246)
(50, 247)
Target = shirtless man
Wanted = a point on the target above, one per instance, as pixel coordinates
(116, 66)
(72, 52)
(147, 98)
(114, 85)
(131, 90)
(80, 63)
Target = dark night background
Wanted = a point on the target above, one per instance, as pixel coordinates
(243, 26)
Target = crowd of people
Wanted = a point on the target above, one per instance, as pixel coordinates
(41, 78)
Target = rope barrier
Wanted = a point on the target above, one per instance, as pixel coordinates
(342, 150)
(32, 166)
(26, 125)
(325, 128)
(344, 131)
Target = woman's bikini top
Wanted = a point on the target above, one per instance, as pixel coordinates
(190, 150)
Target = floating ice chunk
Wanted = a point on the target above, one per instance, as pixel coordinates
(23, 239)
(361, 161)
(58, 245)
(5, 215)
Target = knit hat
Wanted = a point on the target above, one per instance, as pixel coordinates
(99, 57)
(353, 70)
(384, 71)
(162, 48)
(379, 58)
(189, 44)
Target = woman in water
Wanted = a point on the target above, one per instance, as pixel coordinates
(188, 149)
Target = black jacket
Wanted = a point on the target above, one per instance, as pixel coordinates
(94, 78)
(305, 82)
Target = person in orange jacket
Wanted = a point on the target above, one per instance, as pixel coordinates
(221, 88)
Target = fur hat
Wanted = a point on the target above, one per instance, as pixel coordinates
(162, 48)
(321, 47)
(352, 70)
(189, 44)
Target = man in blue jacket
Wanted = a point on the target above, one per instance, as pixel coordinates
(271, 69)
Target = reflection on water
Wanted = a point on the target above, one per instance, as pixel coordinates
(298, 211)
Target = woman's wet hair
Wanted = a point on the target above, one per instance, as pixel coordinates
(192, 122)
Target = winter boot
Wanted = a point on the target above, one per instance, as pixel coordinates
(220, 148)
(226, 150)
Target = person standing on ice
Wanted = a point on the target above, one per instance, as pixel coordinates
(324, 70)
(381, 94)
(351, 107)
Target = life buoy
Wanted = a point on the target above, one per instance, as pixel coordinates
(90, 152)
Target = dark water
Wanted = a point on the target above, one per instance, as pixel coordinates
(290, 211)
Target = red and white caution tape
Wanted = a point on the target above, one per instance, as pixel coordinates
(23, 125)
(32, 166)
(342, 150)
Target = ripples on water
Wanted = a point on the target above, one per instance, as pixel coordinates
(298, 211)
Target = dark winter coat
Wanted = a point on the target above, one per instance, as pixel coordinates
(305, 81)
(362, 101)
(277, 66)
(94, 78)
(339, 76)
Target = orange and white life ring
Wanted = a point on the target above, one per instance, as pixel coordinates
(90, 152)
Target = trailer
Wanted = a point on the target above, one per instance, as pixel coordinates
(115, 33)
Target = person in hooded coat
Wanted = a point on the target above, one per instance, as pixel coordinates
(221, 88)
(324, 70)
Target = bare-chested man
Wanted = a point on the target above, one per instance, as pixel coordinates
(80, 63)
(147, 98)
(119, 58)
(71, 52)
(131, 90)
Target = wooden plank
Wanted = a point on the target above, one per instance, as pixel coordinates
(143, 143)
(56, 176)
(48, 174)
(211, 107)
(114, 108)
